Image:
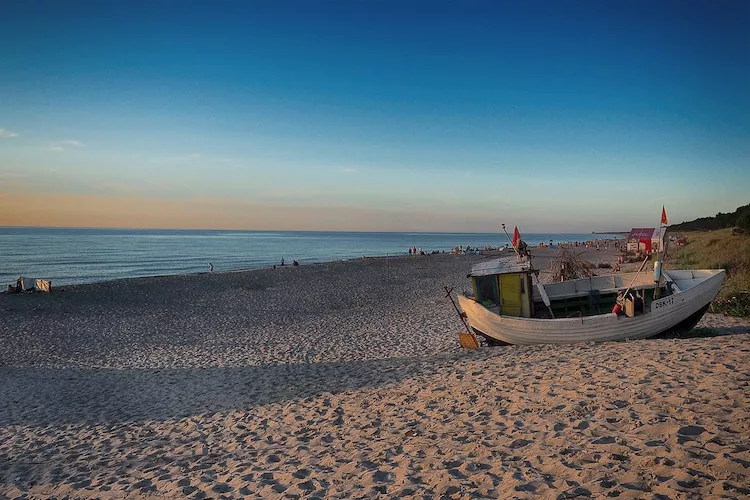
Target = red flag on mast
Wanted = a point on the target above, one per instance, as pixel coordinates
(664, 220)
(516, 237)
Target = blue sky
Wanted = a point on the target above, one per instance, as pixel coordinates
(556, 116)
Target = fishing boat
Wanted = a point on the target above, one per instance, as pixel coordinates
(511, 306)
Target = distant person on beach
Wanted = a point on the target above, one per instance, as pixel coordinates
(409, 251)
(295, 263)
(282, 261)
(210, 267)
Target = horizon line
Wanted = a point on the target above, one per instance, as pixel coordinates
(294, 230)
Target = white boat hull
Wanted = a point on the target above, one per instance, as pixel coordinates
(665, 314)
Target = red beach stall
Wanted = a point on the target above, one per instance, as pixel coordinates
(640, 239)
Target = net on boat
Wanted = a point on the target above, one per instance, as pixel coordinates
(569, 266)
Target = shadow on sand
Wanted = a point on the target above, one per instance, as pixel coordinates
(48, 396)
(704, 332)
(45, 396)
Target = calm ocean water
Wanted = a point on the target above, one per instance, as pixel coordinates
(69, 256)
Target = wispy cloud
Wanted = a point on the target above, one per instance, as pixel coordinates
(7, 134)
(196, 156)
(11, 175)
(64, 145)
(7, 185)
(178, 159)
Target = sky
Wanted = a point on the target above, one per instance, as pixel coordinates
(556, 116)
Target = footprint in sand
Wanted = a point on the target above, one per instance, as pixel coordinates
(689, 432)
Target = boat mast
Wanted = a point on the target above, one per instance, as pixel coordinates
(657, 264)
(518, 255)
(539, 285)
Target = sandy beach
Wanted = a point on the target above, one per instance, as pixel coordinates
(345, 379)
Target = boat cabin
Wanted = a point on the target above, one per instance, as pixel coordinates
(504, 286)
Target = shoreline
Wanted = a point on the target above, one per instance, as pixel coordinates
(229, 271)
(497, 252)
(92, 266)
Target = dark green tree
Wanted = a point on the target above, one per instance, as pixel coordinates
(743, 221)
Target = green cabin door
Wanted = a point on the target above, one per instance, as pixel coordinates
(510, 294)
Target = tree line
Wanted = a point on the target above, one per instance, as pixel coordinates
(738, 218)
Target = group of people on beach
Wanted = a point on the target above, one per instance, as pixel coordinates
(596, 244)
(459, 250)
(419, 251)
(282, 264)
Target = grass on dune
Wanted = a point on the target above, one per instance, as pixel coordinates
(719, 249)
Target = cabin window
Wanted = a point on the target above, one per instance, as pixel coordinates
(487, 290)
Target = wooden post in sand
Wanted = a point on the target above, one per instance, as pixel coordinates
(467, 340)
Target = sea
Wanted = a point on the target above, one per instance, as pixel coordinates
(73, 255)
